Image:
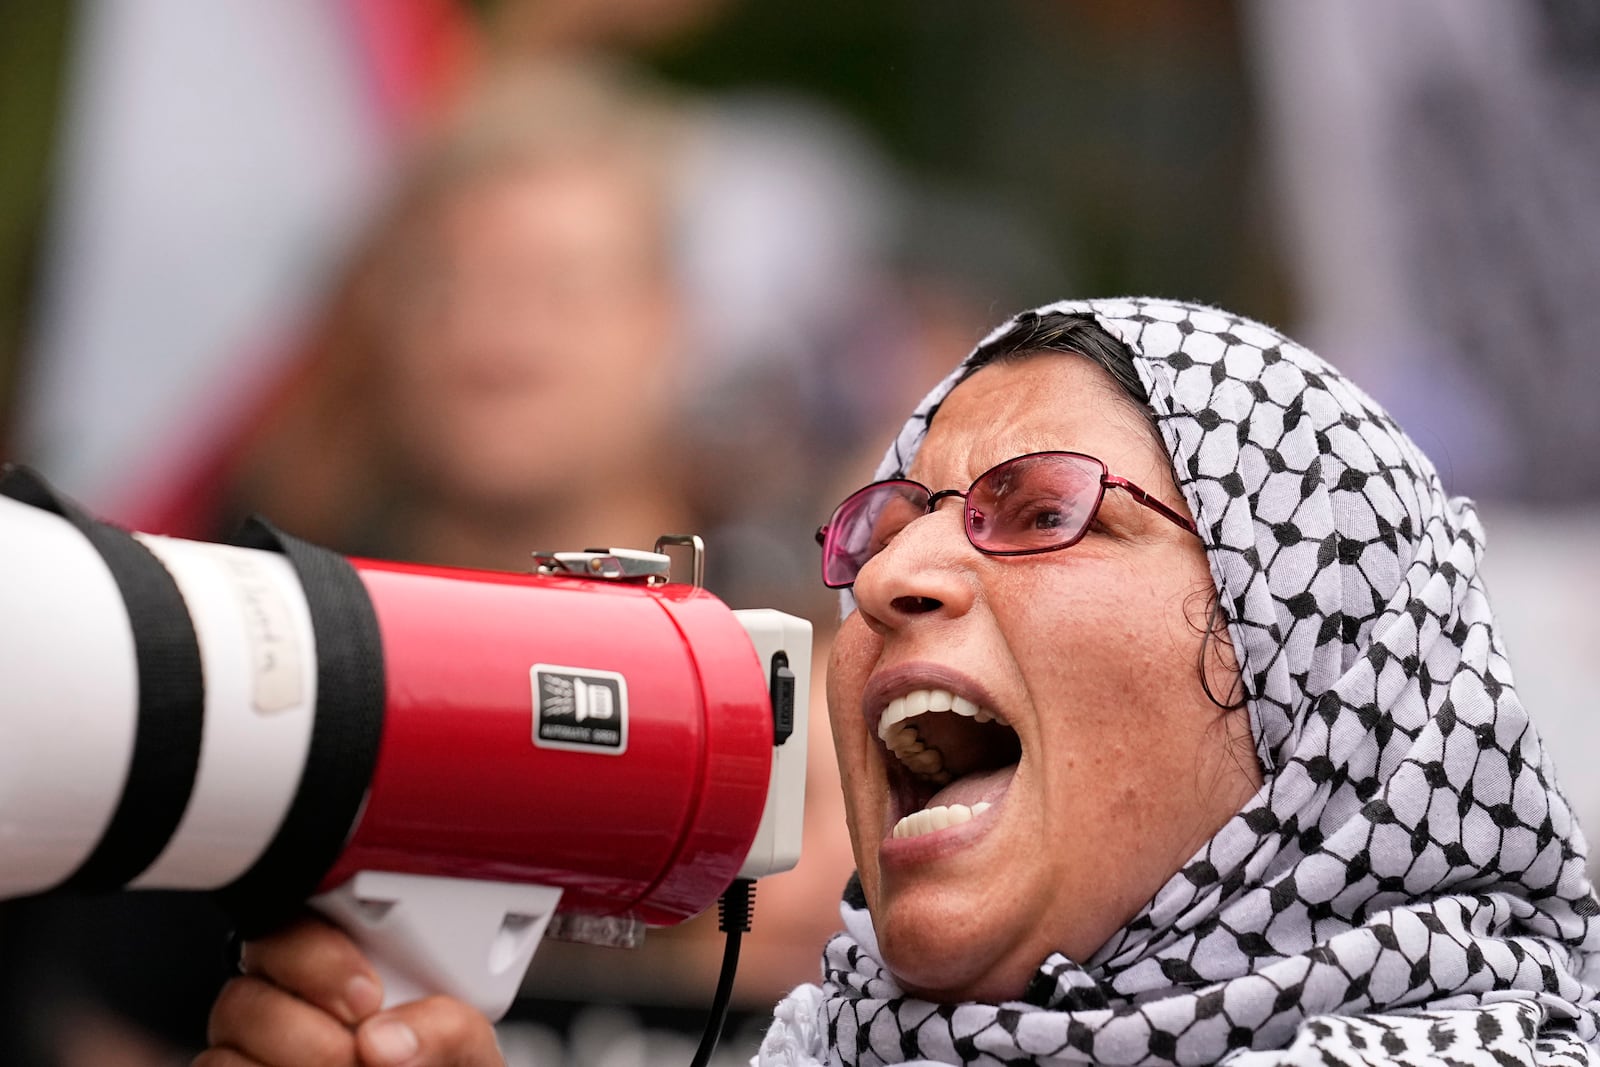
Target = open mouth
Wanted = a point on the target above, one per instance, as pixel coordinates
(951, 759)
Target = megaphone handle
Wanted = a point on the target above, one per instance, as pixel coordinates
(426, 935)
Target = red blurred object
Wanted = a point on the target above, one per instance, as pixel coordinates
(415, 53)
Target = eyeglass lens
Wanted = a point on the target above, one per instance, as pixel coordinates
(1032, 503)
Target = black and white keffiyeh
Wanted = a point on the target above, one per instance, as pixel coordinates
(1409, 885)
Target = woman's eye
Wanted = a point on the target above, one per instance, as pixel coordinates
(1041, 515)
(1042, 520)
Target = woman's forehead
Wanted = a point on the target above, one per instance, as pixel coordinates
(1047, 402)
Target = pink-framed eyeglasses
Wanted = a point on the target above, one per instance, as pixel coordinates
(1039, 502)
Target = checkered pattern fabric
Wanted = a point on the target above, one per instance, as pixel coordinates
(1409, 884)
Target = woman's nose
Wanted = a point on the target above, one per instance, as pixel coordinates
(924, 570)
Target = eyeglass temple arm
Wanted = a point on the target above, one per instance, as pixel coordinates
(1114, 482)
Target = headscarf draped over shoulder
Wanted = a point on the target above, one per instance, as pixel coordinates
(1409, 885)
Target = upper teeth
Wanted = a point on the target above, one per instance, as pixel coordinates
(895, 730)
(920, 702)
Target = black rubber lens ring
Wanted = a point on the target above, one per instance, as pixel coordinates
(345, 736)
(171, 688)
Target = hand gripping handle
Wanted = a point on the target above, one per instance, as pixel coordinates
(426, 935)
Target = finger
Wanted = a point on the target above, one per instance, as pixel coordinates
(321, 965)
(436, 1032)
(267, 1026)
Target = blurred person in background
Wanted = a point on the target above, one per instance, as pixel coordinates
(500, 369)
(503, 368)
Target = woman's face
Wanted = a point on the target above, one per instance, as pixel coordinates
(540, 323)
(1089, 655)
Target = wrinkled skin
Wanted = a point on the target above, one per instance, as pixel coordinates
(1090, 654)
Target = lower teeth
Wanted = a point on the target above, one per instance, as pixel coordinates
(940, 818)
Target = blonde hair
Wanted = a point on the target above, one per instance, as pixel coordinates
(316, 462)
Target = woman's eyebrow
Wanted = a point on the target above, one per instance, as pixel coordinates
(989, 458)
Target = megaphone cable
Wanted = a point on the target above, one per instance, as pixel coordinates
(733, 919)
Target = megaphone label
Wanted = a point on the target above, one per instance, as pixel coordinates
(269, 629)
(577, 708)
